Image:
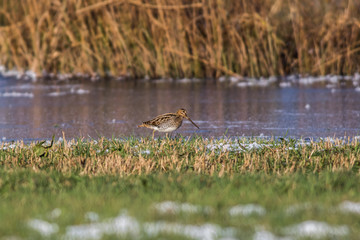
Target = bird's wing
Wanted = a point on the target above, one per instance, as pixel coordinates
(160, 119)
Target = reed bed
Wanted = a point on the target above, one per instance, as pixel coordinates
(170, 38)
(144, 156)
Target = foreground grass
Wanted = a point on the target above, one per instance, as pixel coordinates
(26, 195)
(181, 38)
(58, 185)
(184, 155)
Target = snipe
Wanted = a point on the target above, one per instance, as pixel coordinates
(167, 122)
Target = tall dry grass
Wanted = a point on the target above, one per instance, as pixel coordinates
(201, 38)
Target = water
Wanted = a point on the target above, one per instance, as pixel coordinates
(32, 111)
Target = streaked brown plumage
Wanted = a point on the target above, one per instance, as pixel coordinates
(167, 122)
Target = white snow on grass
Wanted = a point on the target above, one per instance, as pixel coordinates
(169, 207)
(43, 227)
(315, 229)
(9, 146)
(126, 226)
(17, 94)
(200, 232)
(145, 152)
(266, 235)
(122, 225)
(56, 213)
(247, 210)
(92, 216)
(351, 207)
(232, 146)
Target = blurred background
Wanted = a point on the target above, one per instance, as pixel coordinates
(99, 68)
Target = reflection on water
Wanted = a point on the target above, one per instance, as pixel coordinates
(110, 108)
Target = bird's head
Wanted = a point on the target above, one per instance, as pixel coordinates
(182, 112)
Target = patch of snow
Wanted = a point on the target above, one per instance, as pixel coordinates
(247, 210)
(347, 77)
(122, 225)
(30, 75)
(12, 73)
(64, 76)
(79, 91)
(169, 207)
(315, 229)
(223, 147)
(266, 235)
(56, 94)
(43, 227)
(234, 146)
(285, 84)
(55, 213)
(222, 79)
(92, 216)
(263, 83)
(356, 77)
(308, 80)
(243, 84)
(234, 79)
(146, 152)
(352, 207)
(17, 94)
(10, 146)
(334, 79)
(330, 85)
(357, 89)
(200, 232)
(307, 106)
(293, 78)
(184, 80)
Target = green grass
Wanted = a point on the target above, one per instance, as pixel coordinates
(26, 195)
(184, 155)
(126, 177)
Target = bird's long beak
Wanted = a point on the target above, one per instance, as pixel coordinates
(192, 122)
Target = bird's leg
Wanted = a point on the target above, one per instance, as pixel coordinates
(166, 135)
(153, 136)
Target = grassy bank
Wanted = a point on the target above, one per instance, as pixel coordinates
(193, 188)
(48, 204)
(203, 38)
(142, 156)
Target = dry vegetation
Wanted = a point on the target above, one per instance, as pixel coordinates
(201, 38)
(195, 155)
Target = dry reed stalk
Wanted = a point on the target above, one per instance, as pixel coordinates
(171, 38)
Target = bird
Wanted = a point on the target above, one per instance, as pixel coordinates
(167, 122)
